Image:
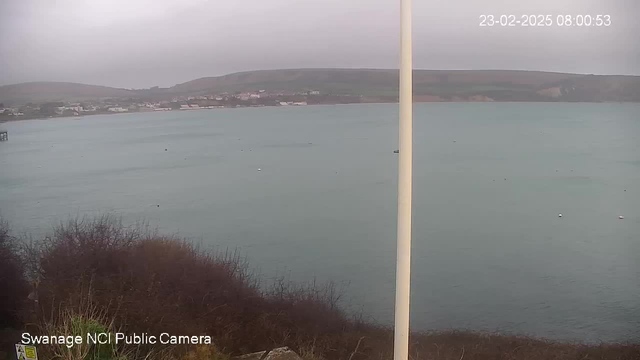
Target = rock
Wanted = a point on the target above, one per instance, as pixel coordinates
(282, 353)
(253, 356)
(396, 151)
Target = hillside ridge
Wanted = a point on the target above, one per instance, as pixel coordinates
(429, 85)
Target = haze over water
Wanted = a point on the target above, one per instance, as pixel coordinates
(489, 250)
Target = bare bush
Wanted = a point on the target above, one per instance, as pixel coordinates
(12, 278)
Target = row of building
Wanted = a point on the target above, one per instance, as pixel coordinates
(256, 98)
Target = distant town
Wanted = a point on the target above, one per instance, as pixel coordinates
(300, 87)
(258, 98)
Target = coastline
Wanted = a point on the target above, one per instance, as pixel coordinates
(80, 116)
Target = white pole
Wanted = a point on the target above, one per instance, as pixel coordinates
(403, 261)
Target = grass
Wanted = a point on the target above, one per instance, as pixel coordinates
(98, 274)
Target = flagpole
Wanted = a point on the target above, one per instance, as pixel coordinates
(403, 261)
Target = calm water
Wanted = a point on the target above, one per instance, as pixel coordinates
(490, 252)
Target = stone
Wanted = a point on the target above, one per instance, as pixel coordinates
(253, 356)
(282, 353)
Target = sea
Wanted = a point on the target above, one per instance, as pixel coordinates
(309, 194)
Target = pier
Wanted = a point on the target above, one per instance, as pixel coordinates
(4, 135)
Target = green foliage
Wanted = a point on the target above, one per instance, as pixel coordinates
(81, 325)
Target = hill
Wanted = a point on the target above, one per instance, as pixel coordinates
(429, 85)
(375, 82)
(57, 91)
(371, 84)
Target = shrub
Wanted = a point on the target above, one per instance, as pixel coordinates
(12, 279)
(79, 322)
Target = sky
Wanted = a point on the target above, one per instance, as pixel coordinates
(144, 43)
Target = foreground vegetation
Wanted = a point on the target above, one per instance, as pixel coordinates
(97, 275)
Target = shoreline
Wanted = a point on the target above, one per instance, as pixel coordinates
(336, 104)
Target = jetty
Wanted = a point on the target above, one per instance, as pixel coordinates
(4, 135)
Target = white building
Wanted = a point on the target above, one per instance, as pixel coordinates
(76, 108)
(117, 109)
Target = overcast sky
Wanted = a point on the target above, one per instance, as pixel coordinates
(143, 43)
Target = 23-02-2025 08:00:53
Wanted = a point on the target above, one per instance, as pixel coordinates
(545, 20)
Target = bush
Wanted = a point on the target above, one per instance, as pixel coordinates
(79, 322)
(13, 283)
(154, 284)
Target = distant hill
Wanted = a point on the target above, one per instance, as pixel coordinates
(57, 91)
(372, 84)
(375, 82)
(429, 85)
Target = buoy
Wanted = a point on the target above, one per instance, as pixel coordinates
(259, 169)
(158, 205)
(621, 217)
(559, 215)
(396, 151)
(165, 150)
